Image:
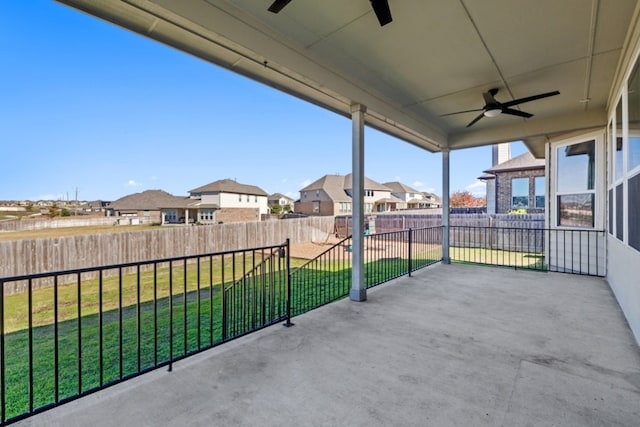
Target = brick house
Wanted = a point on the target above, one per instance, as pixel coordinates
(518, 183)
(331, 195)
(220, 201)
(147, 204)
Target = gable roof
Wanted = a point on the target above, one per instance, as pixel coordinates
(369, 184)
(278, 196)
(524, 161)
(147, 200)
(332, 185)
(335, 186)
(229, 186)
(398, 187)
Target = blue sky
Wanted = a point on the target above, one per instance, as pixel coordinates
(90, 107)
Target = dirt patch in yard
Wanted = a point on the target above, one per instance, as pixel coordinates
(311, 250)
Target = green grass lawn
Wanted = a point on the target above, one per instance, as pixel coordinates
(529, 260)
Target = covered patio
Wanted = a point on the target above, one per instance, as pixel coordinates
(451, 345)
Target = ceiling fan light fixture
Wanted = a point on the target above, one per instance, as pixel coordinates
(493, 112)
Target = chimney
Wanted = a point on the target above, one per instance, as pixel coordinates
(500, 153)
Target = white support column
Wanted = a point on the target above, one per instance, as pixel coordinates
(445, 207)
(186, 217)
(358, 291)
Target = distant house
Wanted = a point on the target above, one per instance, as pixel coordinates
(95, 206)
(278, 199)
(412, 198)
(220, 201)
(146, 204)
(331, 195)
(430, 200)
(517, 183)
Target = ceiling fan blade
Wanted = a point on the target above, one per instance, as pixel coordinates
(481, 115)
(530, 98)
(460, 112)
(382, 11)
(519, 113)
(489, 96)
(278, 5)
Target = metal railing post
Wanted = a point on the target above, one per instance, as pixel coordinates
(410, 239)
(3, 415)
(288, 323)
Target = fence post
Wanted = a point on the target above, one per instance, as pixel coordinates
(410, 239)
(288, 323)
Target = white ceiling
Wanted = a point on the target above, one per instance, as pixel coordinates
(436, 57)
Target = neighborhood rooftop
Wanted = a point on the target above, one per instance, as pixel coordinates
(229, 186)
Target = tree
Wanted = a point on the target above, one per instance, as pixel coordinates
(464, 199)
(276, 209)
(54, 211)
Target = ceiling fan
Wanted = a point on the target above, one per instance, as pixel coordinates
(380, 7)
(493, 108)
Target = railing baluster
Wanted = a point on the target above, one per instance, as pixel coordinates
(185, 334)
(101, 337)
(120, 329)
(155, 314)
(138, 319)
(3, 372)
(199, 317)
(79, 325)
(170, 316)
(211, 339)
(30, 320)
(56, 344)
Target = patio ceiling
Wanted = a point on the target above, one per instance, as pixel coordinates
(436, 57)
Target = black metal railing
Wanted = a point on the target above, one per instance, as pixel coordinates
(70, 333)
(560, 250)
(327, 277)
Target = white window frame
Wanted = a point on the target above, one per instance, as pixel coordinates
(598, 188)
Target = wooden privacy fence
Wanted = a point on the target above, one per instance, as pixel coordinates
(41, 224)
(394, 222)
(22, 257)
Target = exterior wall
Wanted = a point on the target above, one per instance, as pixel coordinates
(210, 199)
(622, 274)
(314, 195)
(327, 208)
(623, 261)
(491, 196)
(226, 215)
(503, 190)
(230, 200)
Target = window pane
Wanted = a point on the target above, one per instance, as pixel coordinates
(611, 211)
(619, 213)
(575, 210)
(632, 213)
(634, 152)
(520, 192)
(539, 191)
(633, 99)
(618, 158)
(576, 167)
(619, 140)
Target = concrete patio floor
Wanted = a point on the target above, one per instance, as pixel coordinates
(452, 345)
